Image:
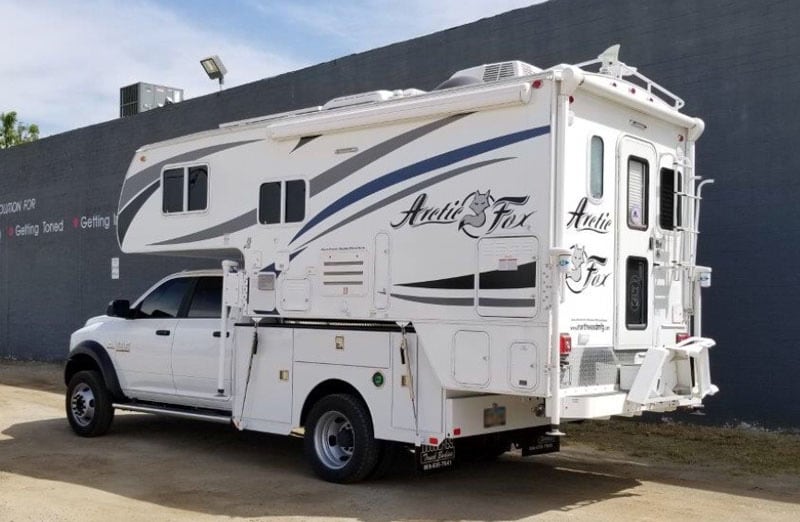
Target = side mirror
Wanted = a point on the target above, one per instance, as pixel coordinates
(119, 308)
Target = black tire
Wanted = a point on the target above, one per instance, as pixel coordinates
(89, 408)
(339, 441)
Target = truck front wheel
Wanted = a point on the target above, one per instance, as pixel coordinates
(339, 439)
(89, 408)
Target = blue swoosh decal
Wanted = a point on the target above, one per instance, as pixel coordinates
(418, 169)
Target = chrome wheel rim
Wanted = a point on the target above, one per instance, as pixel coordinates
(334, 440)
(82, 404)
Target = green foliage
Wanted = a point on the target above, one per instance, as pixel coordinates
(14, 132)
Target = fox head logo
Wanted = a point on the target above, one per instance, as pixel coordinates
(480, 202)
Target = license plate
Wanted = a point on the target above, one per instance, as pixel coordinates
(494, 416)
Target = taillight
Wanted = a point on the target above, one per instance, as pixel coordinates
(565, 344)
(680, 337)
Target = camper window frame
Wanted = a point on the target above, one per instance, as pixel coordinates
(185, 204)
(282, 198)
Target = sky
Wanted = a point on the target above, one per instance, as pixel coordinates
(64, 61)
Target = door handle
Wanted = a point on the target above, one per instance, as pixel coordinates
(162, 332)
(219, 334)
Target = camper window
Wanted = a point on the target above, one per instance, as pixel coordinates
(185, 189)
(198, 188)
(285, 199)
(637, 193)
(596, 168)
(295, 208)
(269, 203)
(172, 200)
(669, 205)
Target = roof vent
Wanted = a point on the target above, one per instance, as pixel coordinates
(370, 97)
(493, 72)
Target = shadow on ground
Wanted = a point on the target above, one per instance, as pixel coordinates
(215, 470)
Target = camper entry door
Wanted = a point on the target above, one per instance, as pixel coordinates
(636, 169)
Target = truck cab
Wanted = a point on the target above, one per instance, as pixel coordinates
(164, 347)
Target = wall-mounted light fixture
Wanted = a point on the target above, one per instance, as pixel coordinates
(214, 69)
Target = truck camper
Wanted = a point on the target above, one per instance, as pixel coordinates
(464, 270)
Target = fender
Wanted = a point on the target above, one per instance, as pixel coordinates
(99, 355)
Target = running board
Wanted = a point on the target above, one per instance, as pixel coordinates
(222, 419)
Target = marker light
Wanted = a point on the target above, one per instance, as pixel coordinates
(565, 344)
(680, 337)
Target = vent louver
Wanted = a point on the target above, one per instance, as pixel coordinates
(493, 72)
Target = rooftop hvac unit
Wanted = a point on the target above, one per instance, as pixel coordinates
(141, 97)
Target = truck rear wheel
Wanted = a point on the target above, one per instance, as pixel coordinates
(339, 440)
(89, 408)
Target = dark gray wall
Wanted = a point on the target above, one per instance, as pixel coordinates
(735, 63)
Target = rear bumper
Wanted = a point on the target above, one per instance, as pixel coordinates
(611, 404)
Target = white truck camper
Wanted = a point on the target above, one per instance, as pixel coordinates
(464, 270)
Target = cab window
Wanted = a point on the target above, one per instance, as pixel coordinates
(207, 298)
(165, 301)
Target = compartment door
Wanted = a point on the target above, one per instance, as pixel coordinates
(636, 173)
(506, 279)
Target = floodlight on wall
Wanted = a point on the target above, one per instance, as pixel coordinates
(214, 69)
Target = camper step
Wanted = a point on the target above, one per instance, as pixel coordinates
(176, 411)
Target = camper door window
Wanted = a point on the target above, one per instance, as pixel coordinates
(185, 189)
(638, 193)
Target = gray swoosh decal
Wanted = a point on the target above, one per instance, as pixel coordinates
(444, 301)
(410, 190)
(234, 225)
(142, 179)
(344, 169)
(125, 217)
(509, 303)
(468, 301)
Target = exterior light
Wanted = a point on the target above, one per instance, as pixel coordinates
(214, 68)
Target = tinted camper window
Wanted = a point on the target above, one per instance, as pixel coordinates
(185, 189)
(269, 203)
(292, 194)
(198, 188)
(173, 191)
(295, 201)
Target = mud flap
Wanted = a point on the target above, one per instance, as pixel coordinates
(436, 458)
(539, 445)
